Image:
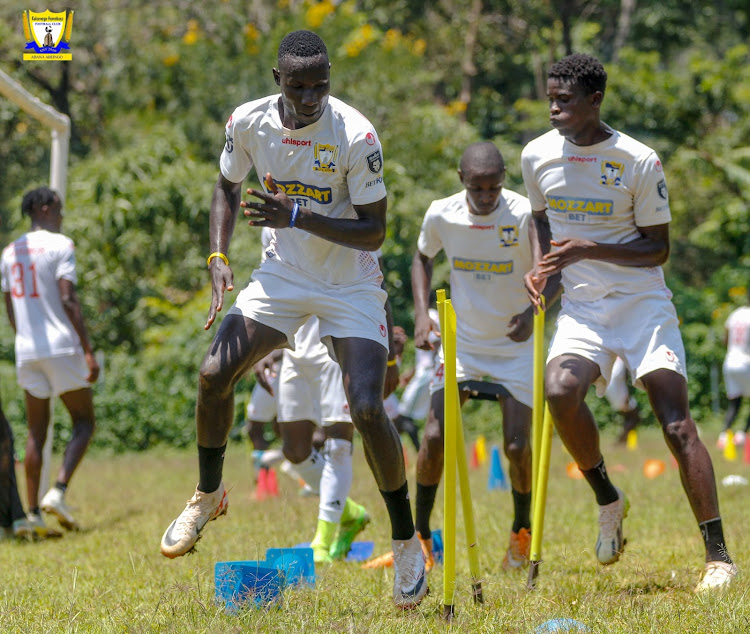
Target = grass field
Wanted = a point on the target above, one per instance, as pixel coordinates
(110, 577)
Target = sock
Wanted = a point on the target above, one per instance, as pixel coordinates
(311, 470)
(352, 511)
(324, 535)
(210, 467)
(425, 502)
(598, 479)
(399, 510)
(62, 486)
(336, 479)
(522, 509)
(713, 537)
(35, 511)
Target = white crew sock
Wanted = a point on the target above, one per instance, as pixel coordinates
(311, 470)
(336, 479)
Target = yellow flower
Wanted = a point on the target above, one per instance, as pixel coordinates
(318, 12)
(391, 39)
(171, 60)
(419, 47)
(190, 38)
(737, 292)
(251, 32)
(455, 107)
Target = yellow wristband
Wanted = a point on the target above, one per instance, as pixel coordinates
(392, 362)
(217, 254)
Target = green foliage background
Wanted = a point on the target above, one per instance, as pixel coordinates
(151, 84)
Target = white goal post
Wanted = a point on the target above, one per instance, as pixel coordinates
(59, 125)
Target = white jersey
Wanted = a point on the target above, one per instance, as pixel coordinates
(738, 338)
(30, 268)
(488, 257)
(600, 192)
(326, 167)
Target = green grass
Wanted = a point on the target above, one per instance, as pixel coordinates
(110, 576)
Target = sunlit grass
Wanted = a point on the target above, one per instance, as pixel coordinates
(110, 577)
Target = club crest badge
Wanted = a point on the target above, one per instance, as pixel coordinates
(661, 188)
(375, 162)
(325, 157)
(612, 173)
(508, 236)
(47, 35)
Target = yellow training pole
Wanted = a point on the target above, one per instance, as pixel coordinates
(450, 406)
(540, 501)
(537, 415)
(463, 468)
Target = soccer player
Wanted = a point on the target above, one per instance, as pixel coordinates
(621, 400)
(736, 370)
(484, 231)
(53, 353)
(601, 207)
(321, 166)
(311, 393)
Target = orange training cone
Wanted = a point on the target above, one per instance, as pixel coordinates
(261, 486)
(272, 484)
(653, 468)
(474, 457)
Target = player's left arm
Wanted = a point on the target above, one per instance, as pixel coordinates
(391, 370)
(9, 310)
(650, 249)
(366, 232)
(72, 308)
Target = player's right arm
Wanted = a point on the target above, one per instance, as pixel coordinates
(72, 308)
(9, 310)
(421, 280)
(225, 204)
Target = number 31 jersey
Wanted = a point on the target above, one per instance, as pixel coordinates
(30, 268)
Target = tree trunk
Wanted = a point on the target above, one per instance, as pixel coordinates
(627, 8)
(468, 68)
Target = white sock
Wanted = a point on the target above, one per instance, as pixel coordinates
(336, 479)
(311, 470)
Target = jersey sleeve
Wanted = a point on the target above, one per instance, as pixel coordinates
(65, 268)
(4, 281)
(650, 197)
(536, 198)
(235, 162)
(365, 168)
(429, 242)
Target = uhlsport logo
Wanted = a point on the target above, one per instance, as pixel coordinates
(47, 35)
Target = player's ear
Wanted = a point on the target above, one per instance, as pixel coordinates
(277, 76)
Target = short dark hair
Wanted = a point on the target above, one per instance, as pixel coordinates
(304, 44)
(583, 69)
(482, 154)
(37, 198)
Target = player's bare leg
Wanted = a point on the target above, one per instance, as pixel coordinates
(363, 364)
(37, 415)
(567, 380)
(516, 434)
(238, 344)
(668, 395)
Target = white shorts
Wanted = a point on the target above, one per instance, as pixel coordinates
(311, 391)
(641, 329)
(737, 381)
(53, 376)
(515, 373)
(391, 406)
(262, 406)
(617, 393)
(283, 298)
(415, 400)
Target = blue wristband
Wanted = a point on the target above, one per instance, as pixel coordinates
(295, 211)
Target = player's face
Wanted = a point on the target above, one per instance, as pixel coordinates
(572, 111)
(305, 86)
(483, 189)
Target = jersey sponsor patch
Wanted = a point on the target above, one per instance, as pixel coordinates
(325, 157)
(590, 206)
(375, 162)
(500, 268)
(320, 195)
(661, 188)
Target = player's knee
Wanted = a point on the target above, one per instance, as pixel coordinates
(432, 439)
(84, 426)
(562, 390)
(212, 379)
(680, 434)
(366, 410)
(295, 453)
(517, 450)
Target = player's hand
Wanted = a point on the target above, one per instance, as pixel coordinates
(93, 367)
(222, 279)
(534, 281)
(391, 380)
(264, 372)
(568, 251)
(399, 340)
(423, 326)
(521, 326)
(274, 210)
